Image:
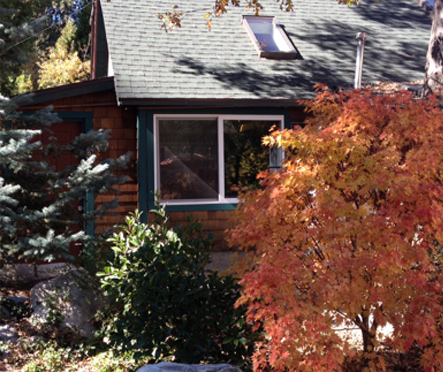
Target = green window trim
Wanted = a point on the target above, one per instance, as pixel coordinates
(146, 156)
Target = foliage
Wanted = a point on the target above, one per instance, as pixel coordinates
(28, 29)
(21, 84)
(48, 348)
(20, 23)
(39, 356)
(109, 361)
(173, 18)
(51, 359)
(62, 64)
(245, 156)
(38, 211)
(346, 233)
(164, 304)
(82, 41)
(51, 356)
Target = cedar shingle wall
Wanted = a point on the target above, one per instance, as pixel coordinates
(122, 122)
(214, 222)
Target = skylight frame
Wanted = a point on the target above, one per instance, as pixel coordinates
(282, 37)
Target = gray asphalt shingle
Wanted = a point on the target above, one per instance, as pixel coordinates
(194, 62)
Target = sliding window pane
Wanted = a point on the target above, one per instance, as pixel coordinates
(245, 156)
(188, 159)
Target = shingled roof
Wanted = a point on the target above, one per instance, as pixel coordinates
(194, 62)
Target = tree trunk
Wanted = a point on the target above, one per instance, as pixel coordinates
(368, 341)
(434, 59)
(369, 332)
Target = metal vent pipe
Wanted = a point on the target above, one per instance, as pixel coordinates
(361, 37)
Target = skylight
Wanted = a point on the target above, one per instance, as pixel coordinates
(270, 38)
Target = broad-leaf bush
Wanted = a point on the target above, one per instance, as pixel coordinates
(164, 304)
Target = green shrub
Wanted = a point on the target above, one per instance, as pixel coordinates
(108, 361)
(51, 357)
(164, 304)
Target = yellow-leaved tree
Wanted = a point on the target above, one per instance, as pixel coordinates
(62, 64)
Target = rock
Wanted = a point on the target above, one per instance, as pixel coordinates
(25, 275)
(68, 300)
(8, 333)
(19, 300)
(175, 367)
(4, 313)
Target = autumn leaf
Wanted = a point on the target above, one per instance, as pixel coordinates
(351, 225)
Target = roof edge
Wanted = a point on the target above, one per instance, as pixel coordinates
(71, 90)
(195, 103)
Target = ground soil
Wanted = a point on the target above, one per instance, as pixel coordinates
(18, 355)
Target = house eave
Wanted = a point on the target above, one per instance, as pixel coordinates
(196, 103)
(73, 90)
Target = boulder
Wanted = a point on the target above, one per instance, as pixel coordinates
(25, 275)
(8, 333)
(19, 300)
(68, 301)
(4, 313)
(176, 367)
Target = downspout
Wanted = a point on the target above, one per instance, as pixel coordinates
(361, 37)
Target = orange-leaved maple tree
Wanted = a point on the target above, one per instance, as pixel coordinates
(347, 233)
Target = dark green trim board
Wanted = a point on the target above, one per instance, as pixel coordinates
(145, 128)
(82, 116)
(142, 157)
(287, 123)
(218, 111)
(150, 185)
(220, 103)
(201, 207)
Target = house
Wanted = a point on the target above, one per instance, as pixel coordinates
(192, 104)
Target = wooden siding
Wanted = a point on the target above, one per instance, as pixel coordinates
(122, 122)
(214, 222)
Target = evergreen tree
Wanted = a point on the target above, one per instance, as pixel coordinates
(18, 29)
(38, 214)
(36, 26)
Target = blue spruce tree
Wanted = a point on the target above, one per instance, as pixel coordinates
(39, 220)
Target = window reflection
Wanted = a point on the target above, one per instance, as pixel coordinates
(245, 156)
(188, 159)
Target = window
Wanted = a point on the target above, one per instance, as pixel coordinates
(270, 38)
(202, 159)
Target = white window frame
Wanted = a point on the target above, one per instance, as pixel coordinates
(221, 156)
(291, 53)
